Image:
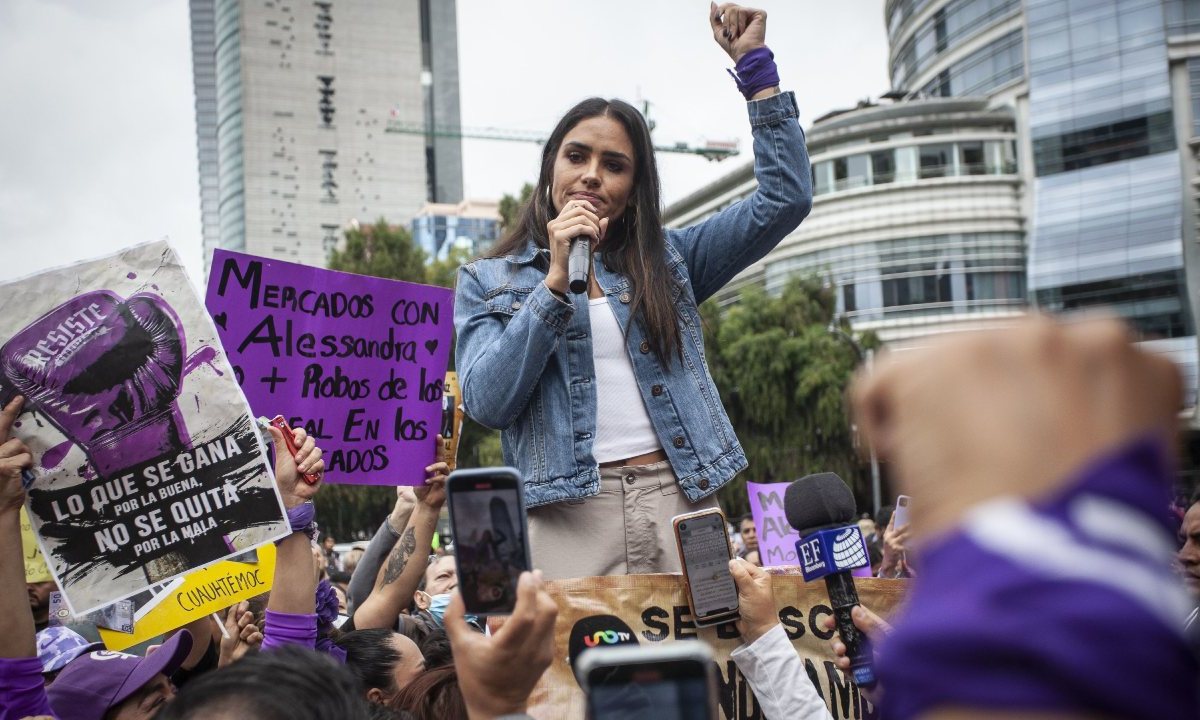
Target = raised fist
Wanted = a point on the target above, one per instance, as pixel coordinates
(106, 372)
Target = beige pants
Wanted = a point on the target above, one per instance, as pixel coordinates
(625, 530)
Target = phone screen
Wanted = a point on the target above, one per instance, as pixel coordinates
(490, 543)
(705, 550)
(676, 691)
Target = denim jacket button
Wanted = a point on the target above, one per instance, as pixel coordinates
(704, 484)
(630, 478)
(656, 390)
(644, 347)
(678, 441)
(625, 298)
(516, 305)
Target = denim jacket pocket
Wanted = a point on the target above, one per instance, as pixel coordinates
(507, 300)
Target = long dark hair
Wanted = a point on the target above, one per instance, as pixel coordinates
(433, 695)
(635, 246)
(372, 657)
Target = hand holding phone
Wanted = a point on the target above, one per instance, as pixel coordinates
(704, 554)
(491, 537)
(901, 513)
(668, 681)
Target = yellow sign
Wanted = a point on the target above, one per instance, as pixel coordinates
(35, 563)
(203, 592)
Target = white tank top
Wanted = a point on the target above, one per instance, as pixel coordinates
(623, 427)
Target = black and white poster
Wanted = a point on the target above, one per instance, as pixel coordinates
(148, 463)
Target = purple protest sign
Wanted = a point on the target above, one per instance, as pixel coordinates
(776, 538)
(357, 361)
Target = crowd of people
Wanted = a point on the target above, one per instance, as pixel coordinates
(1043, 579)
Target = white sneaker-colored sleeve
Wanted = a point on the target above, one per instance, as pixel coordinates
(776, 675)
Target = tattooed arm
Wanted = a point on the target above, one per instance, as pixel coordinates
(405, 565)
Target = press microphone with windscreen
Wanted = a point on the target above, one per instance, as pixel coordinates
(577, 264)
(821, 508)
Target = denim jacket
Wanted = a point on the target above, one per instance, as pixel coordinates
(524, 357)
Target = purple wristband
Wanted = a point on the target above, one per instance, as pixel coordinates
(755, 71)
(302, 518)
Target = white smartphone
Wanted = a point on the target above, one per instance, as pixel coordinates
(900, 518)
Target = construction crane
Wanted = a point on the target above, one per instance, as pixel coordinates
(716, 150)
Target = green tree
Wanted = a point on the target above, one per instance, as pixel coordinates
(782, 375)
(510, 207)
(381, 250)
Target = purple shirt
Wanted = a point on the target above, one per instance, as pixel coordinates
(22, 689)
(281, 629)
(1064, 605)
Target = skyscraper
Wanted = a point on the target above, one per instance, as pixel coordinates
(292, 98)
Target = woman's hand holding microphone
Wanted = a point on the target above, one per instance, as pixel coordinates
(577, 219)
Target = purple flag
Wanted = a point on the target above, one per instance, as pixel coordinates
(357, 361)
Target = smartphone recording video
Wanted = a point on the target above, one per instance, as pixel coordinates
(487, 521)
(704, 553)
(671, 681)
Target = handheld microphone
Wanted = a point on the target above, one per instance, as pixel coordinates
(577, 264)
(821, 508)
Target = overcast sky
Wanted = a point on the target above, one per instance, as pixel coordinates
(97, 141)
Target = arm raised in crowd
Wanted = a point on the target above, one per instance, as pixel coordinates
(399, 577)
(362, 581)
(16, 621)
(21, 687)
(293, 601)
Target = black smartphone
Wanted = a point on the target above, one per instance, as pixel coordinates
(704, 553)
(668, 681)
(491, 537)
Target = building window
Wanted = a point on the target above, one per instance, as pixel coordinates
(970, 159)
(1154, 303)
(936, 160)
(1102, 144)
(883, 167)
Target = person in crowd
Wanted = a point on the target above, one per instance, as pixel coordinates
(894, 561)
(396, 582)
(604, 401)
(766, 657)
(333, 562)
(39, 602)
(497, 672)
(57, 646)
(384, 661)
(1189, 564)
(749, 535)
(98, 684)
(1043, 457)
(350, 561)
(883, 519)
(433, 695)
(289, 683)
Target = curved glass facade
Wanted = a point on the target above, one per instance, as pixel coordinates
(916, 162)
(982, 71)
(917, 276)
(229, 127)
(948, 27)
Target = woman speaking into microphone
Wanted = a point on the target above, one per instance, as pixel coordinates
(604, 399)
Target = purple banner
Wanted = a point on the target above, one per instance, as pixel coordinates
(357, 361)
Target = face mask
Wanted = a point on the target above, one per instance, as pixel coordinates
(437, 610)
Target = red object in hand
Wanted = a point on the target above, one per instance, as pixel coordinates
(281, 425)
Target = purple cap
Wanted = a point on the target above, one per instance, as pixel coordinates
(96, 682)
(57, 646)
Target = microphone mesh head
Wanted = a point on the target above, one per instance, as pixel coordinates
(818, 501)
